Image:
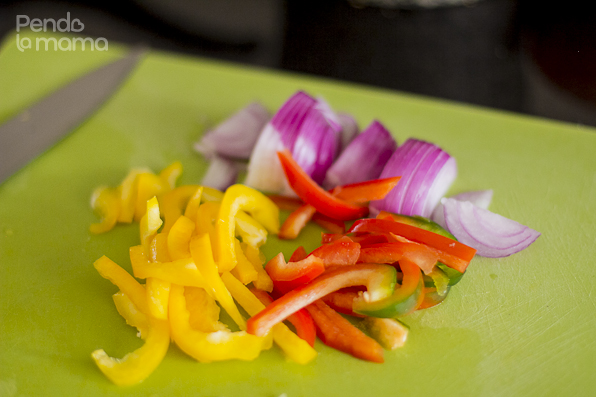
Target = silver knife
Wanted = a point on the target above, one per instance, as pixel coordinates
(43, 124)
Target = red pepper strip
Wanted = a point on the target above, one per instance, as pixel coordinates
(379, 280)
(363, 192)
(452, 253)
(293, 204)
(299, 254)
(287, 276)
(361, 238)
(310, 192)
(431, 298)
(337, 332)
(341, 252)
(296, 221)
(342, 300)
(394, 251)
(301, 320)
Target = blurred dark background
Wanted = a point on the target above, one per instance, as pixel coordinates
(530, 57)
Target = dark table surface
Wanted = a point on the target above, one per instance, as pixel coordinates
(526, 57)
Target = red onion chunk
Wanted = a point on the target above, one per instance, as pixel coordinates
(221, 174)
(289, 118)
(236, 136)
(426, 173)
(264, 170)
(480, 198)
(492, 235)
(317, 145)
(328, 113)
(349, 129)
(363, 159)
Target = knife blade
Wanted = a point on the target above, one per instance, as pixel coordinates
(35, 129)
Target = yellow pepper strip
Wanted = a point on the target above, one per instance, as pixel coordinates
(106, 202)
(175, 201)
(244, 270)
(138, 365)
(210, 346)
(171, 173)
(158, 249)
(128, 194)
(200, 249)
(127, 284)
(237, 198)
(205, 222)
(158, 293)
(203, 310)
(294, 347)
(150, 223)
(251, 231)
(148, 185)
(179, 237)
(257, 259)
(193, 204)
(131, 314)
(182, 271)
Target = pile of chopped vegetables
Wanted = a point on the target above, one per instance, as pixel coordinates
(381, 257)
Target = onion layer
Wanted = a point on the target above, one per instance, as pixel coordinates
(236, 136)
(480, 198)
(426, 173)
(492, 235)
(221, 174)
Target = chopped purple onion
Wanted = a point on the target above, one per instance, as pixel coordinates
(236, 136)
(364, 158)
(221, 174)
(480, 198)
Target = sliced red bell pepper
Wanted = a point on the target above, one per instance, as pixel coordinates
(301, 320)
(299, 254)
(394, 251)
(287, 276)
(337, 332)
(363, 192)
(363, 239)
(342, 300)
(296, 221)
(405, 299)
(452, 253)
(378, 279)
(294, 204)
(341, 252)
(310, 192)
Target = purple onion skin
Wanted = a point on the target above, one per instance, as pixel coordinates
(316, 146)
(364, 158)
(289, 118)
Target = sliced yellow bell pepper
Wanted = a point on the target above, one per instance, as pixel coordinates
(138, 365)
(210, 346)
(182, 271)
(257, 259)
(203, 310)
(174, 202)
(171, 173)
(148, 185)
(150, 223)
(244, 270)
(128, 194)
(131, 314)
(200, 249)
(158, 293)
(127, 284)
(237, 198)
(294, 347)
(106, 202)
(158, 249)
(179, 237)
(193, 204)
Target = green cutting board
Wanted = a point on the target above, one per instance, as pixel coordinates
(524, 325)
